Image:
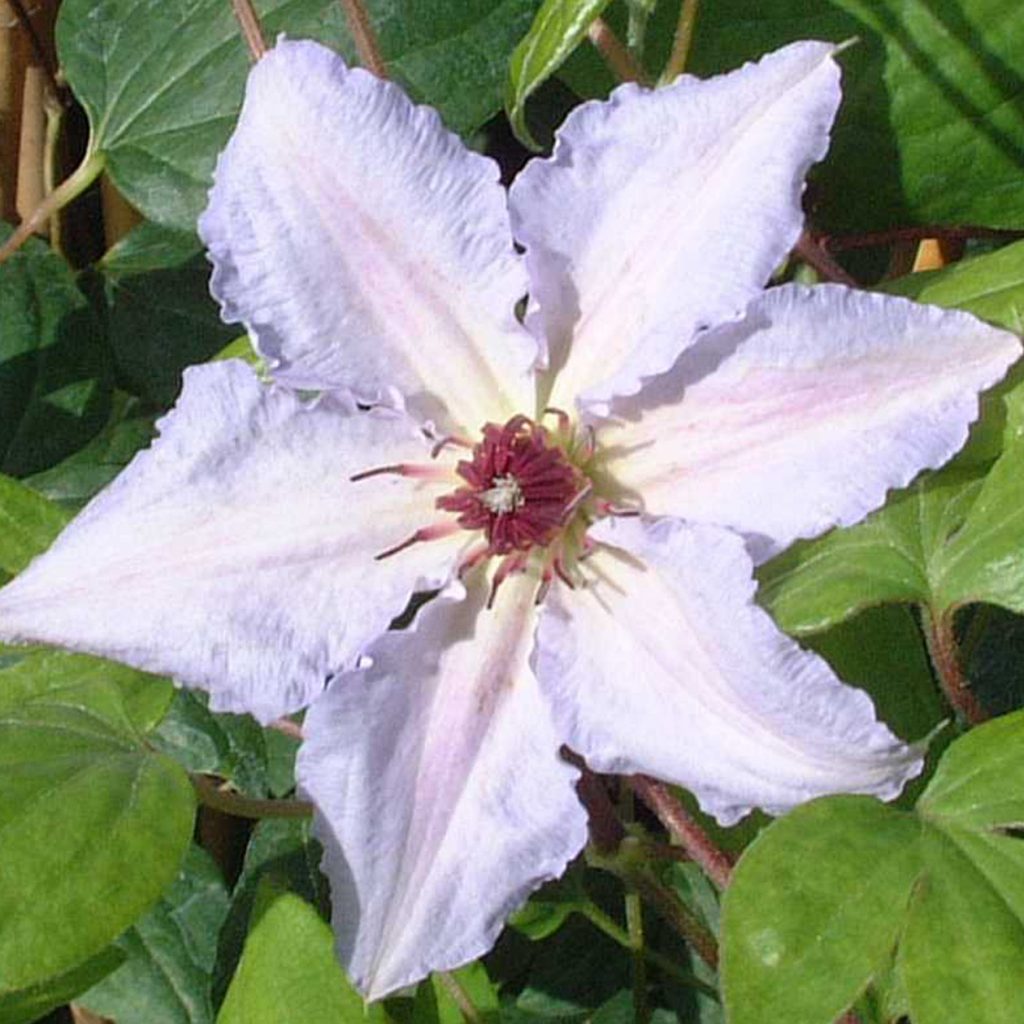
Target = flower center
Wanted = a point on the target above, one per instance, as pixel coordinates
(521, 487)
(526, 489)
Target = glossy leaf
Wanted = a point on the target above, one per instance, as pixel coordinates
(822, 897)
(557, 30)
(889, 557)
(288, 970)
(54, 372)
(162, 80)
(168, 954)
(931, 128)
(161, 317)
(283, 853)
(815, 905)
(93, 824)
(74, 480)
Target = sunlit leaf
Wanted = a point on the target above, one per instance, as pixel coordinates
(93, 823)
(557, 30)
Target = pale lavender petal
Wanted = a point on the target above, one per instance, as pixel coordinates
(803, 416)
(663, 213)
(364, 246)
(441, 799)
(664, 665)
(235, 554)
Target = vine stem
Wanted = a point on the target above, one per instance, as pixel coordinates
(813, 252)
(597, 917)
(682, 41)
(945, 232)
(684, 829)
(72, 187)
(249, 22)
(460, 997)
(229, 802)
(619, 60)
(363, 36)
(945, 657)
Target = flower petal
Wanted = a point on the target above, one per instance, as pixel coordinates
(662, 213)
(801, 417)
(235, 554)
(442, 801)
(364, 246)
(664, 665)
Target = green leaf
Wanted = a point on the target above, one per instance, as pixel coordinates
(990, 286)
(822, 897)
(93, 823)
(144, 697)
(814, 908)
(931, 128)
(984, 561)
(162, 80)
(231, 746)
(160, 318)
(288, 971)
(962, 957)
(892, 556)
(882, 651)
(557, 30)
(32, 1003)
(72, 482)
(29, 523)
(54, 372)
(282, 851)
(169, 953)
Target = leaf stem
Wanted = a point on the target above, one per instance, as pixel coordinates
(682, 41)
(597, 917)
(942, 649)
(460, 997)
(229, 802)
(619, 60)
(714, 862)
(72, 187)
(363, 36)
(249, 22)
(635, 930)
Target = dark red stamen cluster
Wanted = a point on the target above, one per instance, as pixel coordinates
(521, 488)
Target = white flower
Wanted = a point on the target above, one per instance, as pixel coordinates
(371, 257)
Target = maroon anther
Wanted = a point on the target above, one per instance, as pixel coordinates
(521, 489)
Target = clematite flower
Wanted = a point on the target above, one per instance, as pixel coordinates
(588, 486)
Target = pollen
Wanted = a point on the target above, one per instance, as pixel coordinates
(504, 496)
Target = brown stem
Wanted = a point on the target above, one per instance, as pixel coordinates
(942, 649)
(868, 239)
(619, 60)
(812, 252)
(606, 831)
(682, 41)
(681, 826)
(288, 727)
(249, 22)
(229, 802)
(678, 915)
(363, 36)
